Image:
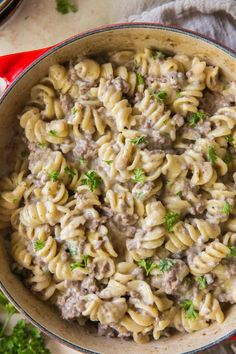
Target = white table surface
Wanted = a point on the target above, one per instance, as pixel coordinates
(37, 24)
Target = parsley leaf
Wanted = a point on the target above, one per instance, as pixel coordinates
(147, 265)
(228, 157)
(229, 138)
(178, 94)
(108, 162)
(80, 264)
(139, 175)
(71, 173)
(188, 307)
(38, 245)
(165, 265)
(158, 54)
(82, 160)
(211, 155)
(6, 305)
(52, 132)
(227, 208)
(41, 145)
(92, 180)
(196, 117)
(202, 283)
(232, 251)
(179, 194)
(140, 140)
(54, 175)
(160, 96)
(171, 219)
(140, 79)
(65, 6)
(74, 111)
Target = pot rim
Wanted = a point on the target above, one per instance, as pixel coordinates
(107, 28)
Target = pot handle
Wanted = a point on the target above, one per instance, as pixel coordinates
(12, 65)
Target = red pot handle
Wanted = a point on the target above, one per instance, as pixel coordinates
(12, 65)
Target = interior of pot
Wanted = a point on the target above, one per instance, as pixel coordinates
(93, 43)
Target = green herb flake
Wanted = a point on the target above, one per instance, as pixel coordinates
(71, 173)
(232, 251)
(54, 175)
(82, 160)
(188, 307)
(81, 264)
(15, 200)
(138, 141)
(140, 79)
(147, 265)
(53, 132)
(74, 111)
(227, 208)
(211, 154)
(108, 162)
(160, 96)
(165, 265)
(41, 145)
(178, 94)
(73, 251)
(92, 180)
(171, 219)
(6, 305)
(65, 6)
(202, 283)
(179, 194)
(229, 138)
(38, 245)
(139, 175)
(196, 117)
(157, 54)
(228, 157)
(24, 154)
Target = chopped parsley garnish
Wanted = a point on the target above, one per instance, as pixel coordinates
(65, 6)
(165, 265)
(41, 145)
(157, 54)
(171, 219)
(82, 160)
(227, 208)
(74, 111)
(178, 94)
(211, 155)
(6, 305)
(140, 79)
(188, 307)
(147, 265)
(108, 162)
(202, 283)
(81, 264)
(160, 96)
(92, 180)
(53, 132)
(24, 154)
(54, 175)
(196, 117)
(232, 251)
(179, 194)
(71, 173)
(15, 200)
(229, 138)
(140, 140)
(38, 245)
(139, 175)
(228, 157)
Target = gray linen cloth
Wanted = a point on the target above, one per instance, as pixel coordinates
(213, 18)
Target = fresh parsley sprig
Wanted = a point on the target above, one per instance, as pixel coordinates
(232, 251)
(53, 132)
(196, 117)
(202, 283)
(92, 179)
(160, 96)
(230, 140)
(188, 307)
(65, 6)
(147, 265)
(227, 208)
(171, 218)
(38, 245)
(165, 265)
(80, 264)
(54, 175)
(140, 79)
(211, 154)
(139, 140)
(71, 173)
(139, 175)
